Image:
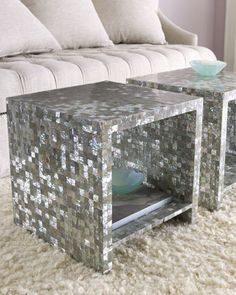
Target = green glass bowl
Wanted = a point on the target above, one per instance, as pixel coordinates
(125, 180)
(208, 68)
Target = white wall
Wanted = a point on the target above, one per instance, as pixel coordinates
(203, 17)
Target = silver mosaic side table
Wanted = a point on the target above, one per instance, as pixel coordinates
(64, 143)
(219, 125)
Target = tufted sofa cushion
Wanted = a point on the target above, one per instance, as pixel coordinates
(33, 73)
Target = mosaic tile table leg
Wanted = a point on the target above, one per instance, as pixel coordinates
(213, 150)
(176, 165)
(231, 128)
(61, 181)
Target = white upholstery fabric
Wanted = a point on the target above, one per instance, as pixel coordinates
(32, 73)
(74, 23)
(21, 32)
(133, 21)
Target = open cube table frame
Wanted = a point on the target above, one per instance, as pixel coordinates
(63, 144)
(219, 123)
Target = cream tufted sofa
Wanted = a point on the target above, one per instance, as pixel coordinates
(33, 73)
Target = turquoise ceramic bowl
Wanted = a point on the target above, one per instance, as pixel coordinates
(208, 68)
(125, 181)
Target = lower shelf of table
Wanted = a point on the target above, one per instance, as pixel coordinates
(127, 208)
(149, 221)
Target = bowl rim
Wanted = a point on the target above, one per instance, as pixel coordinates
(208, 62)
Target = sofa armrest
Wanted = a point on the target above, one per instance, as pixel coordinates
(174, 34)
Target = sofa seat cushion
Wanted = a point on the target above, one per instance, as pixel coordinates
(32, 73)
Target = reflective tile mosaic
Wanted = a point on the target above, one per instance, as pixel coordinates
(64, 143)
(219, 123)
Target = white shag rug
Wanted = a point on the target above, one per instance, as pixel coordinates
(175, 258)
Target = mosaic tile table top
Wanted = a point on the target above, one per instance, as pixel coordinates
(189, 80)
(219, 123)
(64, 143)
(107, 103)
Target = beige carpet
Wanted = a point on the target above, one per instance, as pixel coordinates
(173, 259)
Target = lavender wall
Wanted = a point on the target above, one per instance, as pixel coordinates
(203, 17)
(219, 33)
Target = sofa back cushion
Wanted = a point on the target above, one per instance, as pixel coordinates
(131, 21)
(21, 32)
(74, 23)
